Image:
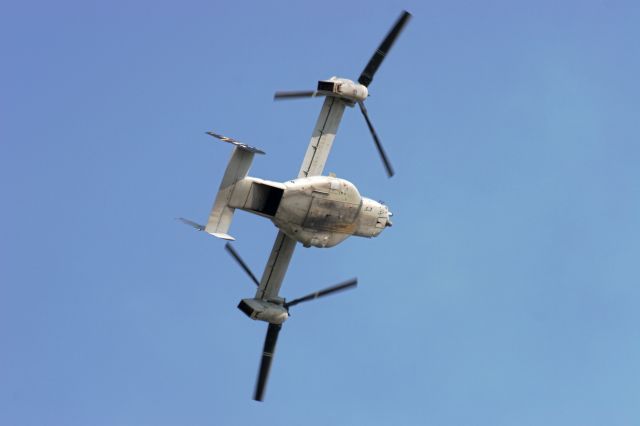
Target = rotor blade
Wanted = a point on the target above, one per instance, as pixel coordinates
(369, 71)
(295, 94)
(327, 291)
(267, 357)
(383, 155)
(243, 265)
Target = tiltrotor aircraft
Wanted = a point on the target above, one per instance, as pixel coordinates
(314, 210)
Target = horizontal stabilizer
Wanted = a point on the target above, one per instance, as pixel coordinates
(239, 144)
(239, 164)
(191, 223)
(223, 236)
(199, 227)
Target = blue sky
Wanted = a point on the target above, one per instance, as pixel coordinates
(506, 293)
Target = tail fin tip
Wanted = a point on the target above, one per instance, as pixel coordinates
(237, 143)
(191, 223)
(222, 236)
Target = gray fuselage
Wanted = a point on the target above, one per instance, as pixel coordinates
(319, 211)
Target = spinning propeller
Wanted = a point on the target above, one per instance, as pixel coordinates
(358, 92)
(274, 329)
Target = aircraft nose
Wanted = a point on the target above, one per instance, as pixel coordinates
(389, 223)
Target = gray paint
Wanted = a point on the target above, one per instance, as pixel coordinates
(322, 137)
(277, 266)
(221, 213)
(319, 211)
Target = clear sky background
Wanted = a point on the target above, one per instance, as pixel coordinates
(506, 293)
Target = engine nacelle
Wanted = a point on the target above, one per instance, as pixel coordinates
(269, 311)
(343, 88)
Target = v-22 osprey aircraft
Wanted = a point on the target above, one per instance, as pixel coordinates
(314, 210)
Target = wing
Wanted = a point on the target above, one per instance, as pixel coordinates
(322, 137)
(276, 266)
